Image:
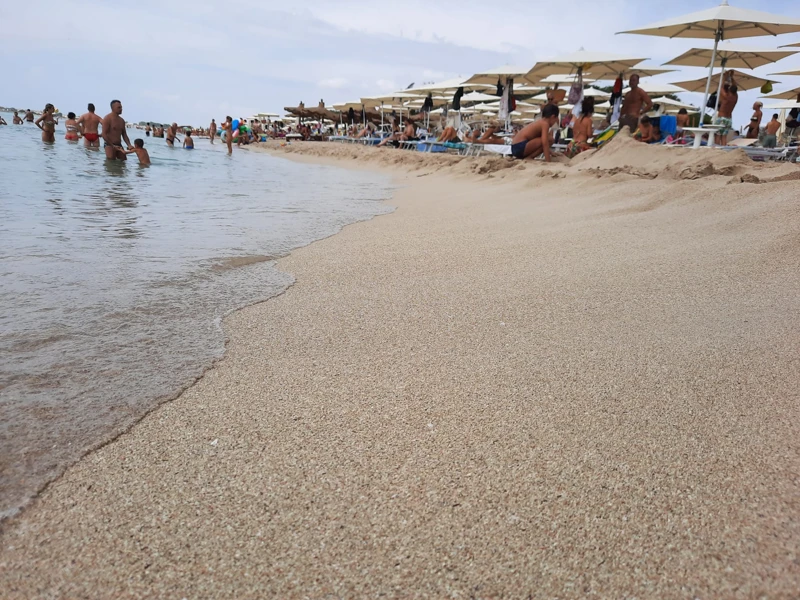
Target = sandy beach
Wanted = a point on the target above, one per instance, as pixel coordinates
(529, 381)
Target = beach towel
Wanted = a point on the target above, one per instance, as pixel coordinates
(457, 98)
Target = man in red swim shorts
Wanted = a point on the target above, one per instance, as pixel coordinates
(89, 123)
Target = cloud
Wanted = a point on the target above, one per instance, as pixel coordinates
(333, 83)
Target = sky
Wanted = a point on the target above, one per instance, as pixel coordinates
(191, 60)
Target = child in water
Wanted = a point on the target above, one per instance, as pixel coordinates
(188, 142)
(139, 151)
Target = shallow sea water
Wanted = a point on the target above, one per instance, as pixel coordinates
(114, 279)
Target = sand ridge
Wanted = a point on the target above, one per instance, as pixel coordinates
(513, 386)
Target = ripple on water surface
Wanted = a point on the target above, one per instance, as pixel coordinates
(114, 279)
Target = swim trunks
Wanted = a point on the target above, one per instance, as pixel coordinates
(518, 149)
(92, 137)
(770, 141)
(631, 121)
(575, 148)
(725, 125)
(72, 137)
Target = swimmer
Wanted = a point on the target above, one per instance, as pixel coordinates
(47, 123)
(172, 133)
(17, 119)
(73, 129)
(29, 116)
(89, 124)
(114, 132)
(188, 142)
(3, 121)
(140, 152)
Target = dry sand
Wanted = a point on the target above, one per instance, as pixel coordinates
(529, 381)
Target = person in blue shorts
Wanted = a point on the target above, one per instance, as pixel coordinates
(534, 139)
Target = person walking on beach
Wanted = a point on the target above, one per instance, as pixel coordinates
(534, 139)
(114, 132)
(635, 104)
(212, 130)
(728, 98)
(47, 123)
(89, 124)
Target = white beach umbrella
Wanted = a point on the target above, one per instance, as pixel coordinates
(595, 93)
(664, 101)
(783, 106)
(478, 97)
(565, 79)
(597, 64)
(745, 82)
(785, 95)
(657, 87)
(787, 73)
(490, 106)
(731, 56)
(724, 22)
(504, 73)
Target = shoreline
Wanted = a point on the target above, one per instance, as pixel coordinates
(443, 377)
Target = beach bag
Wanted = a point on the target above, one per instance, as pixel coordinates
(712, 101)
(576, 91)
(766, 88)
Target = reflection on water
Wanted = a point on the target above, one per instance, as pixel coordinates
(114, 279)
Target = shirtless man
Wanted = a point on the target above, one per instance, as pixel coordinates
(88, 124)
(773, 127)
(212, 130)
(29, 116)
(17, 119)
(114, 132)
(755, 122)
(729, 96)
(534, 139)
(635, 104)
(172, 132)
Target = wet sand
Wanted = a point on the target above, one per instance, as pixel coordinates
(531, 381)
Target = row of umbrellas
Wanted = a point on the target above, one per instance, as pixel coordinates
(720, 24)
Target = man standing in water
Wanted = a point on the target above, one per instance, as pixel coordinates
(227, 127)
(29, 116)
(88, 124)
(635, 104)
(212, 130)
(114, 132)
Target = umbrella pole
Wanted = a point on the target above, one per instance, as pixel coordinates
(717, 38)
(719, 89)
(381, 118)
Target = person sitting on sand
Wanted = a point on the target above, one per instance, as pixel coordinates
(488, 136)
(139, 151)
(773, 127)
(645, 133)
(534, 139)
(582, 130)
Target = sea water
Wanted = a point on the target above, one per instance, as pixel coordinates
(114, 279)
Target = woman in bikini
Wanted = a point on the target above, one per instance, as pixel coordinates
(582, 129)
(72, 128)
(47, 123)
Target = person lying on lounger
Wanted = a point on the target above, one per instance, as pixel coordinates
(535, 139)
(488, 136)
(366, 132)
(448, 135)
